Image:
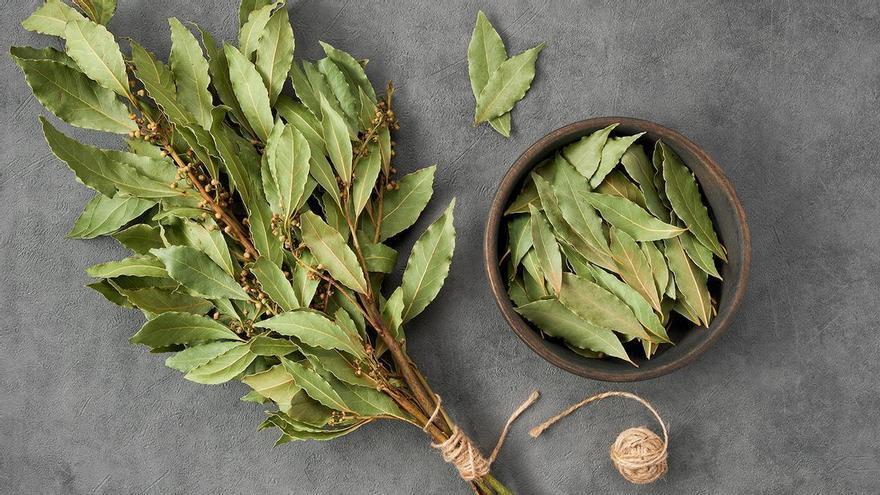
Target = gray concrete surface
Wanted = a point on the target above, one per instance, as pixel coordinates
(783, 94)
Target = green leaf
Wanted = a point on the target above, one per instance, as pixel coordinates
(210, 242)
(198, 273)
(303, 284)
(74, 98)
(140, 238)
(51, 18)
(315, 386)
(134, 266)
(47, 54)
(275, 284)
(193, 357)
(250, 92)
(554, 319)
(340, 89)
(485, 53)
(251, 31)
(633, 266)
(103, 215)
(617, 184)
(190, 71)
(631, 218)
(367, 402)
(100, 11)
(297, 115)
(330, 249)
(600, 307)
(288, 158)
(218, 68)
(314, 329)
(586, 154)
(699, 254)
(378, 257)
(658, 266)
(528, 195)
(336, 140)
(612, 151)
(507, 85)
(338, 365)
(689, 280)
(546, 250)
(268, 346)
(240, 171)
(275, 52)
(158, 301)
(158, 80)
(520, 238)
(401, 207)
(392, 314)
(303, 88)
(275, 384)
(634, 300)
(366, 171)
(181, 328)
(570, 186)
(248, 6)
(224, 367)
(353, 70)
(639, 167)
(95, 51)
(109, 291)
(428, 265)
(687, 202)
(320, 170)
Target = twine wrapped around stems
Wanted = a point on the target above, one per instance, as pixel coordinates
(638, 453)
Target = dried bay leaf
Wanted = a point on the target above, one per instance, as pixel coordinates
(181, 328)
(636, 302)
(224, 367)
(345, 94)
(640, 168)
(486, 52)
(617, 184)
(631, 218)
(353, 70)
(315, 386)
(336, 140)
(198, 273)
(507, 85)
(366, 172)
(699, 254)
(158, 301)
(190, 71)
(314, 329)
(519, 239)
(275, 52)
(275, 284)
(197, 355)
(586, 153)
(633, 266)
(140, 238)
(275, 384)
(428, 265)
(554, 319)
(613, 150)
(103, 215)
(288, 155)
(658, 265)
(690, 281)
(599, 307)
(96, 53)
(158, 80)
(250, 92)
(402, 206)
(331, 250)
(51, 18)
(546, 250)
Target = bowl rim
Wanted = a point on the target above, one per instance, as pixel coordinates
(508, 186)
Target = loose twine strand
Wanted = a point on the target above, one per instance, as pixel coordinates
(460, 451)
(638, 453)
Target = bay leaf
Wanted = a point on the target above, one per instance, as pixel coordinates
(401, 207)
(262, 345)
(303, 88)
(690, 281)
(250, 32)
(158, 80)
(106, 289)
(658, 265)
(304, 286)
(378, 257)
(636, 302)
(617, 184)
(338, 365)
(330, 249)
(190, 71)
(275, 284)
(315, 386)
(340, 88)
(367, 402)
(275, 52)
(296, 114)
(428, 265)
(613, 150)
(133, 266)
(100, 11)
(224, 367)
(197, 355)
(528, 195)
(486, 52)
(546, 250)
(353, 70)
(198, 273)
(320, 170)
(599, 307)
(554, 319)
(366, 172)
(336, 139)
(288, 158)
(640, 168)
(140, 238)
(275, 384)
(631, 218)
(699, 254)
(210, 242)
(687, 202)
(314, 329)
(158, 301)
(585, 221)
(103, 215)
(519, 231)
(507, 85)
(96, 53)
(633, 266)
(181, 328)
(586, 153)
(250, 92)
(51, 18)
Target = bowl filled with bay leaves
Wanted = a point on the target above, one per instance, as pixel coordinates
(617, 249)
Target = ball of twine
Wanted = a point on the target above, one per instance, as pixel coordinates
(638, 454)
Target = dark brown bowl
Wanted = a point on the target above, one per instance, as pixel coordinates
(730, 222)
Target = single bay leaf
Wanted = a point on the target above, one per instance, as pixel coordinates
(100, 11)
(158, 80)
(600, 307)
(546, 250)
(485, 53)
(195, 356)
(367, 402)
(96, 53)
(617, 184)
(517, 292)
(133, 266)
(658, 265)
(366, 172)
(330, 249)
(636, 302)
(633, 266)
(528, 195)
(322, 173)
(48, 54)
(103, 215)
(288, 160)
(303, 89)
(181, 328)
(378, 257)
(51, 18)
(554, 319)
(298, 115)
(614, 148)
(340, 88)
(401, 207)
(586, 153)
(247, 6)
(699, 254)
(250, 92)
(190, 71)
(210, 242)
(392, 314)
(569, 187)
(74, 98)
(507, 85)
(684, 194)
(631, 218)
(275, 52)
(519, 238)
(690, 281)
(352, 68)
(315, 386)
(198, 273)
(314, 329)
(275, 284)
(428, 265)
(275, 384)
(140, 238)
(218, 68)
(158, 301)
(224, 367)
(338, 365)
(251, 31)
(639, 167)
(110, 292)
(336, 140)
(304, 286)
(262, 345)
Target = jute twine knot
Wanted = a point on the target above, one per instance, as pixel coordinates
(638, 453)
(461, 452)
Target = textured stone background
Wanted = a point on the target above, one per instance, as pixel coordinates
(783, 94)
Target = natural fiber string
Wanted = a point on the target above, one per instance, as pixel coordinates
(638, 453)
(460, 451)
